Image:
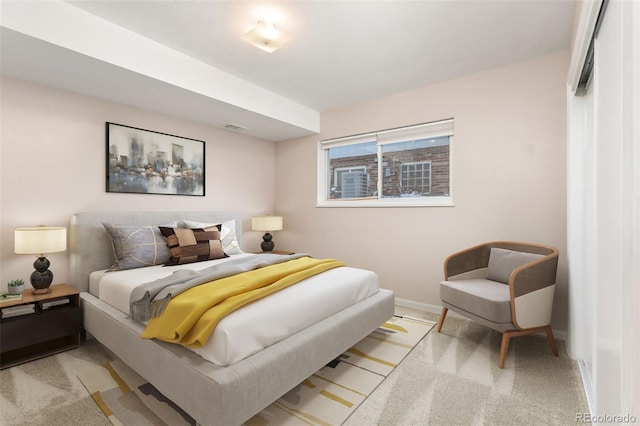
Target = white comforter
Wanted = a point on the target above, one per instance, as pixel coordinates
(262, 323)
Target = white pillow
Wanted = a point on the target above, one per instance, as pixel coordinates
(228, 234)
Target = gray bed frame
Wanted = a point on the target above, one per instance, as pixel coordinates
(211, 394)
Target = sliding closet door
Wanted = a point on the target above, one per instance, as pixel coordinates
(603, 216)
(608, 94)
(581, 235)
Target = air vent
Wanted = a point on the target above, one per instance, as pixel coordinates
(232, 126)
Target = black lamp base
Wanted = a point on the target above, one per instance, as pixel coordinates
(42, 277)
(267, 243)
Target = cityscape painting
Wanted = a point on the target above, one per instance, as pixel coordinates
(147, 162)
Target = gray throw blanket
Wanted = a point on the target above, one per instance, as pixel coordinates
(149, 300)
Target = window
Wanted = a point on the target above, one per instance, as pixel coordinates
(416, 179)
(408, 166)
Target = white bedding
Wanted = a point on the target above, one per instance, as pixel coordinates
(262, 323)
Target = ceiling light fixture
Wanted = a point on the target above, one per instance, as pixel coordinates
(265, 36)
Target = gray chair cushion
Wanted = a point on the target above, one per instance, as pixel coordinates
(502, 262)
(484, 298)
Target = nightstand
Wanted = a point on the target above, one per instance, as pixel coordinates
(53, 324)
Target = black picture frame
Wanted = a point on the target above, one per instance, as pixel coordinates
(144, 161)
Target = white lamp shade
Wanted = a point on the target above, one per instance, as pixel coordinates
(266, 223)
(40, 240)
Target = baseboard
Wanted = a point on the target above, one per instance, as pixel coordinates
(436, 309)
(425, 307)
(561, 335)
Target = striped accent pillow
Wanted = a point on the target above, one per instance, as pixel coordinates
(227, 234)
(193, 245)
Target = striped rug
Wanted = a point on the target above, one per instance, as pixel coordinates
(328, 397)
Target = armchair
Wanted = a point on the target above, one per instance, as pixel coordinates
(507, 286)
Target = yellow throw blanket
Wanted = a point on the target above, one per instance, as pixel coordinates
(191, 316)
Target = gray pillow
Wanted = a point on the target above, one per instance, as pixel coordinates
(137, 246)
(502, 262)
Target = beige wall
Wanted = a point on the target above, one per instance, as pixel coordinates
(509, 179)
(52, 158)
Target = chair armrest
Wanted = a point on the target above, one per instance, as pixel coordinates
(531, 288)
(534, 275)
(467, 260)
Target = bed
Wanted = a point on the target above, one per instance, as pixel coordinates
(232, 388)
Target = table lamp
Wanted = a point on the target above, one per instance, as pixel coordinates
(267, 224)
(41, 240)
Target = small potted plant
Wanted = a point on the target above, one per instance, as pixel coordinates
(16, 286)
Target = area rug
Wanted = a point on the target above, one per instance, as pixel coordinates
(328, 397)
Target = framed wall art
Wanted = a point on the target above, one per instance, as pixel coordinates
(147, 162)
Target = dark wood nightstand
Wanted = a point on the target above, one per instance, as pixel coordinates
(55, 325)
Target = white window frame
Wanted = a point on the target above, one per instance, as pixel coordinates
(428, 130)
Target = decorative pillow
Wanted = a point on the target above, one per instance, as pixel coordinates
(193, 245)
(502, 262)
(137, 246)
(228, 234)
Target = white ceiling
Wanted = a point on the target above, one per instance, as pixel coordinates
(341, 52)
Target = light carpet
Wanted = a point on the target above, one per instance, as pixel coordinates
(328, 397)
(452, 378)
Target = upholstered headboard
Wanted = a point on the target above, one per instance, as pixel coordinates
(90, 245)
